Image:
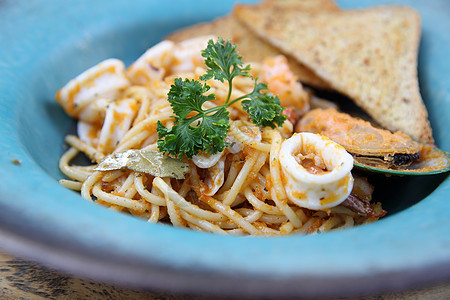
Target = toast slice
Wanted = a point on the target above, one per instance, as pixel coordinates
(309, 6)
(369, 55)
(250, 46)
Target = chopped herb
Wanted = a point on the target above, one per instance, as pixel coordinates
(197, 130)
(16, 161)
(93, 197)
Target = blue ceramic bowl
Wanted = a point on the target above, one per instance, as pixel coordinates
(43, 44)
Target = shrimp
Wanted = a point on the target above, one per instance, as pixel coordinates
(282, 82)
(89, 132)
(102, 82)
(153, 65)
(205, 160)
(118, 119)
(245, 133)
(214, 166)
(214, 179)
(187, 54)
(95, 111)
(316, 171)
(166, 58)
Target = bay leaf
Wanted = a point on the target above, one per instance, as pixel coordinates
(151, 162)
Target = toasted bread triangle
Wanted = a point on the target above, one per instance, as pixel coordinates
(250, 46)
(368, 54)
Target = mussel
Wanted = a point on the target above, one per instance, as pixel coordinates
(376, 148)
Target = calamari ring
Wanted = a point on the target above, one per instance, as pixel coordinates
(315, 191)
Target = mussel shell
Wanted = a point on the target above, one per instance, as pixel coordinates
(432, 161)
(368, 144)
(398, 161)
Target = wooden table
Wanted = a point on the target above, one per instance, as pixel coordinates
(21, 279)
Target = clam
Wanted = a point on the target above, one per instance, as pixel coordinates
(373, 148)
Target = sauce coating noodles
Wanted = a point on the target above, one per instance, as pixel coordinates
(238, 191)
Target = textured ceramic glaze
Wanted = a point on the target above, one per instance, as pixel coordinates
(43, 44)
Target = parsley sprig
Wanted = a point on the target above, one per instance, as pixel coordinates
(198, 130)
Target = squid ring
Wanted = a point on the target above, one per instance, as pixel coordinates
(315, 190)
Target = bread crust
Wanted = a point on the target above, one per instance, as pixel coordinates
(369, 55)
(250, 45)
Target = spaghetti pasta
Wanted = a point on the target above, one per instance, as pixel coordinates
(239, 191)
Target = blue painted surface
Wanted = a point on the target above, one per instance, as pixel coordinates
(43, 44)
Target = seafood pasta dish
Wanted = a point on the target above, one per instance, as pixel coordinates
(219, 127)
(190, 136)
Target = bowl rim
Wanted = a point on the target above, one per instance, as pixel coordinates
(393, 263)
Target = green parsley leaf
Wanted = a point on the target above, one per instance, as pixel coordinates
(188, 96)
(197, 130)
(223, 61)
(263, 108)
(202, 131)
